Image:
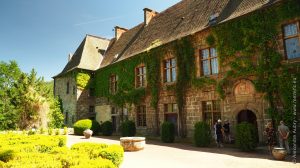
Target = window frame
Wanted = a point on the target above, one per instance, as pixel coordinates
(113, 84)
(170, 68)
(138, 76)
(92, 109)
(212, 111)
(68, 88)
(289, 37)
(209, 59)
(141, 116)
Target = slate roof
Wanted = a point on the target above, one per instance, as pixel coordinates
(87, 55)
(182, 19)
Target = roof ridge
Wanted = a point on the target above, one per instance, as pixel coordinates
(103, 38)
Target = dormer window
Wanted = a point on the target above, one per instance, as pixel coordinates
(291, 40)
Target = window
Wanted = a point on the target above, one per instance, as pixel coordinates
(171, 108)
(209, 62)
(291, 40)
(92, 109)
(113, 84)
(140, 80)
(211, 112)
(170, 70)
(68, 87)
(74, 90)
(66, 117)
(141, 116)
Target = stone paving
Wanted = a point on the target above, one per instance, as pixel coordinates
(160, 155)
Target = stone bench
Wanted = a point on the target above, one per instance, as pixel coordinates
(133, 143)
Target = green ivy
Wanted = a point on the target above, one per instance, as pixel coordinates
(253, 37)
(83, 80)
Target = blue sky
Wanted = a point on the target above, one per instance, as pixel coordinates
(41, 33)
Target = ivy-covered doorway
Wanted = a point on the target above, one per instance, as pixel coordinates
(250, 117)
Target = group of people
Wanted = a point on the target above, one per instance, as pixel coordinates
(221, 131)
(283, 134)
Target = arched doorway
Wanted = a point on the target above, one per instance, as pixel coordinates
(250, 117)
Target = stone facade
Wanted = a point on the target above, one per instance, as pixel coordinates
(69, 99)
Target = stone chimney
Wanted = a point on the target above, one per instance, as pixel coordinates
(119, 31)
(148, 15)
(70, 57)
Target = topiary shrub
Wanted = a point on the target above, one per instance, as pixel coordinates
(81, 126)
(168, 132)
(246, 138)
(107, 128)
(96, 128)
(128, 128)
(202, 134)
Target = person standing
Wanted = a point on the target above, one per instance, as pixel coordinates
(284, 132)
(219, 132)
(270, 132)
(226, 127)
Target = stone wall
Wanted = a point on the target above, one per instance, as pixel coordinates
(69, 100)
(84, 101)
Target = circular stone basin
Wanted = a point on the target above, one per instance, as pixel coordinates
(133, 143)
(279, 153)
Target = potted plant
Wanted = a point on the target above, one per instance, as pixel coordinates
(279, 153)
(87, 133)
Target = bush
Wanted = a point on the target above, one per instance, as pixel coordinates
(6, 155)
(96, 128)
(107, 128)
(57, 131)
(65, 131)
(81, 126)
(17, 150)
(128, 128)
(202, 134)
(115, 153)
(168, 132)
(246, 136)
(50, 131)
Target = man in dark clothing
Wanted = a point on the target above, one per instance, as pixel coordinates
(219, 132)
(226, 127)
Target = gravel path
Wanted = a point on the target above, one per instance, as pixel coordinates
(159, 155)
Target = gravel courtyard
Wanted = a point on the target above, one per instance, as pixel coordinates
(160, 155)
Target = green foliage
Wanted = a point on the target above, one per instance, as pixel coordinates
(246, 136)
(96, 128)
(44, 151)
(107, 128)
(210, 40)
(55, 115)
(202, 134)
(128, 128)
(50, 131)
(115, 153)
(254, 37)
(31, 132)
(167, 132)
(6, 155)
(82, 125)
(65, 131)
(83, 80)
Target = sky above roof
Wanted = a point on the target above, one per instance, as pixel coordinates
(41, 33)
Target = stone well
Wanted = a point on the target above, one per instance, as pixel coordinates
(133, 143)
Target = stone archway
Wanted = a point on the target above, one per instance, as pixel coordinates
(250, 117)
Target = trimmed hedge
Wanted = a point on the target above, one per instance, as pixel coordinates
(246, 136)
(168, 132)
(202, 134)
(128, 128)
(44, 151)
(82, 125)
(107, 128)
(96, 127)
